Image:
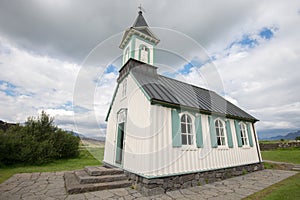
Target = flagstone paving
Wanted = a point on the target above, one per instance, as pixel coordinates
(51, 186)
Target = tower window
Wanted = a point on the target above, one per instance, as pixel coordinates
(144, 54)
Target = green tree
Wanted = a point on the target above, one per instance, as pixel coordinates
(297, 138)
(38, 142)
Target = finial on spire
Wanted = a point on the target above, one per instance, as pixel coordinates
(141, 9)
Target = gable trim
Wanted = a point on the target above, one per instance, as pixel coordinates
(111, 103)
(114, 96)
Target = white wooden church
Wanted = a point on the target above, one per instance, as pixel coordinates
(161, 127)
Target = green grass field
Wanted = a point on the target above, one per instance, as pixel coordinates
(86, 158)
(286, 189)
(283, 155)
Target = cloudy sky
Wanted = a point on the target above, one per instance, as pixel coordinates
(62, 56)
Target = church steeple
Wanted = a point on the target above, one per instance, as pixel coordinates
(140, 20)
(139, 41)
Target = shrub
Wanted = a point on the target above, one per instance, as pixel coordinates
(38, 142)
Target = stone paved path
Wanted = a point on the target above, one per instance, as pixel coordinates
(50, 186)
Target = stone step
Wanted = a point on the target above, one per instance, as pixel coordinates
(84, 178)
(74, 187)
(296, 168)
(98, 171)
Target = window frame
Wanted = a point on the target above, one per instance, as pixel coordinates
(244, 134)
(192, 130)
(224, 136)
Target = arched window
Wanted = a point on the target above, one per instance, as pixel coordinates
(220, 131)
(144, 54)
(244, 134)
(186, 130)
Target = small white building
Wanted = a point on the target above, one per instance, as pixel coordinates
(160, 127)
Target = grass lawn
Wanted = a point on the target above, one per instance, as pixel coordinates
(86, 158)
(283, 155)
(286, 189)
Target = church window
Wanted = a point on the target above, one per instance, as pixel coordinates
(186, 130)
(243, 132)
(220, 132)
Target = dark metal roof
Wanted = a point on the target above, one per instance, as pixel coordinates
(140, 20)
(174, 93)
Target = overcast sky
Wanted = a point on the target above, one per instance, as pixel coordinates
(63, 56)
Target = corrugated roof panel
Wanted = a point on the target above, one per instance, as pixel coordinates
(182, 92)
(175, 92)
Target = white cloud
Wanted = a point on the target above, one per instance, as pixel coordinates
(41, 83)
(40, 56)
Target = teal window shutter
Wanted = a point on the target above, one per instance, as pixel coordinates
(249, 135)
(198, 126)
(176, 133)
(229, 134)
(238, 133)
(212, 130)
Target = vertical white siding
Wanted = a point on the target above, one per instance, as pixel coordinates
(137, 129)
(171, 160)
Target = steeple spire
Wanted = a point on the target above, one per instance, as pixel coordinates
(139, 41)
(140, 20)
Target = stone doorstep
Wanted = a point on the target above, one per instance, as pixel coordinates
(74, 187)
(84, 178)
(98, 171)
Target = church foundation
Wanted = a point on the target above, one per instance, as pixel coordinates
(154, 186)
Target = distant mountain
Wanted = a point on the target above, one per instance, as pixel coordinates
(102, 139)
(289, 136)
